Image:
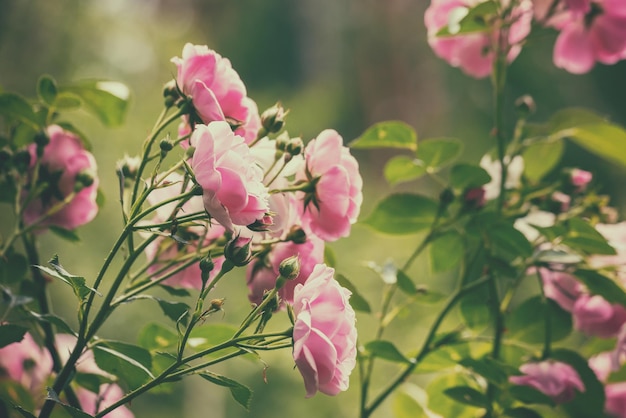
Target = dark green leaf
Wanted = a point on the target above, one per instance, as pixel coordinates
(24, 135)
(66, 234)
(402, 213)
(521, 412)
(13, 267)
(108, 100)
(494, 371)
(47, 89)
(180, 292)
(241, 393)
(76, 282)
(67, 101)
(389, 134)
(589, 403)
(357, 301)
(91, 382)
(467, 395)
(507, 241)
(474, 308)
(408, 401)
(582, 236)
(210, 335)
(405, 283)
(446, 251)
(463, 176)
(156, 337)
(15, 107)
(527, 322)
(385, 350)
(58, 322)
(440, 403)
(173, 310)
(530, 395)
(540, 158)
(23, 412)
(602, 285)
(73, 412)
(10, 333)
(403, 168)
(130, 363)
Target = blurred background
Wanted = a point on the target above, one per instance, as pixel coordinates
(342, 64)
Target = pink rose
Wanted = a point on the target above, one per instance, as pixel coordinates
(615, 403)
(561, 287)
(233, 190)
(324, 334)
(555, 379)
(217, 92)
(593, 315)
(64, 158)
(590, 31)
(580, 178)
(333, 205)
(262, 273)
(473, 52)
(27, 363)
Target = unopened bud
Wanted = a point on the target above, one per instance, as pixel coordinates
(41, 139)
(290, 267)
(128, 167)
(273, 119)
(84, 179)
(446, 197)
(525, 106)
(238, 252)
(295, 146)
(296, 235)
(206, 267)
(262, 225)
(166, 145)
(5, 157)
(170, 93)
(21, 160)
(282, 141)
(197, 190)
(474, 198)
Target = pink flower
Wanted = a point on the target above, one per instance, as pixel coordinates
(64, 159)
(27, 363)
(109, 394)
(590, 31)
(324, 334)
(593, 315)
(217, 92)
(615, 403)
(262, 273)
(333, 206)
(561, 287)
(580, 178)
(233, 190)
(473, 52)
(555, 379)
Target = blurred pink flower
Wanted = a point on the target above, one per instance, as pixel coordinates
(27, 363)
(593, 315)
(333, 206)
(555, 379)
(590, 31)
(262, 273)
(615, 404)
(561, 287)
(473, 52)
(217, 92)
(580, 178)
(233, 189)
(64, 158)
(324, 334)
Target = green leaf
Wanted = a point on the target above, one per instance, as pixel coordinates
(599, 284)
(210, 335)
(357, 301)
(507, 241)
(10, 333)
(173, 310)
(540, 158)
(47, 89)
(240, 393)
(67, 101)
(66, 234)
(91, 382)
(108, 100)
(179, 292)
(463, 176)
(403, 168)
(605, 140)
(13, 267)
(437, 153)
(405, 283)
(23, 412)
(385, 350)
(494, 371)
(57, 321)
(442, 404)
(76, 282)
(530, 395)
(527, 322)
(475, 312)
(402, 213)
(589, 403)
(389, 134)
(330, 259)
(130, 363)
(467, 395)
(15, 107)
(584, 237)
(521, 412)
(73, 412)
(464, 20)
(408, 401)
(156, 337)
(446, 251)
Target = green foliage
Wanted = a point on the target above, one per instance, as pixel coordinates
(463, 176)
(14, 108)
(77, 283)
(402, 213)
(47, 90)
(408, 401)
(209, 335)
(107, 100)
(527, 322)
(599, 284)
(385, 350)
(390, 134)
(357, 301)
(446, 251)
(157, 337)
(242, 394)
(403, 168)
(440, 402)
(541, 158)
(11, 333)
(467, 395)
(131, 363)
